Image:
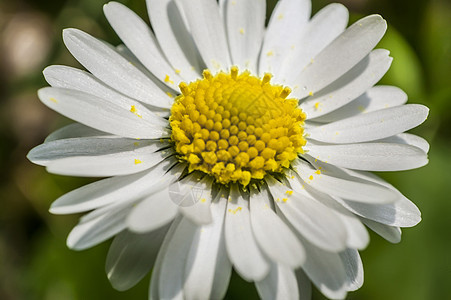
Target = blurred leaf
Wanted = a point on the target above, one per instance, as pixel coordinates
(406, 71)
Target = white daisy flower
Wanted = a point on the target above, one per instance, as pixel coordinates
(228, 144)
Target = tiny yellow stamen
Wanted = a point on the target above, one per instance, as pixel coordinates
(137, 161)
(311, 177)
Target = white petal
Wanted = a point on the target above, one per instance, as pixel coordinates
(76, 130)
(284, 29)
(107, 165)
(370, 156)
(105, 63)
(94, 231)
(245, 24)
(408, 139)
(199, 212)
(174, 38)
(279, 284)
(100, 114)
(371, 126)
(153, 212)
(322, 29)
(326, 271)
(314, 221)
(75, 79)
(275, 238)
(351, 85)
(131, 257)
(138, 37)
(402, 212)
(242, 247)
(154, 291)
(390, 233)
(171, 275)
(110, 190)
(223, 272)
(354, 268)
(203, 260)
(378, 97)
(341, 55)
(208, 32)
(92, 147)
(341, 185)
(357, 235)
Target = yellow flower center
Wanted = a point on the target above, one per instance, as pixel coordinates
(236, 127)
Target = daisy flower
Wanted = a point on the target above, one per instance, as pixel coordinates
(228, 144)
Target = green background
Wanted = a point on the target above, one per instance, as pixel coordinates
(36, 264)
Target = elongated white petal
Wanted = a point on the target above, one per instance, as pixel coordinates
(75, 79)
(154, 291)
(110, 190)
(153, 212)
(115, 164)
(341, 55)
(351, 85)
(138, 37)
(284, 29)
(402, 212)
(106, 64)
(279, 284)
(371, 126)
(357, 235)
(370, 156)
(223, 272)
(94, 231)
(203, 258)
(245, 24)
(376, 98)
(208, 32)
(131, 257)
(173, 36)
(171, 277)
(314, 221)
(275, 238)
(319, 32)
(408, 139)
(390, 233)
(100, 114)
(354, 268)
(89, 147)
(76, 130)
(199, 212)
(344, 186)
(326, 271)
(244, 253)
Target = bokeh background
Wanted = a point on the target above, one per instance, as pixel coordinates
(36, 264)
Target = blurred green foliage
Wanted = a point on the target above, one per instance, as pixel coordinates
(36, 264)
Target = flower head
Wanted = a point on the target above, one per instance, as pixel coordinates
(229, 145)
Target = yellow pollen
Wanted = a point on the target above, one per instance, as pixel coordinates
(270, 53)
(168, 79)
(169, 94)
(241, 31)
(236, 127)
(318, 172)
(177, 71)
(137, 161)
(289, 192)
(53, 100)
(135, 111)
